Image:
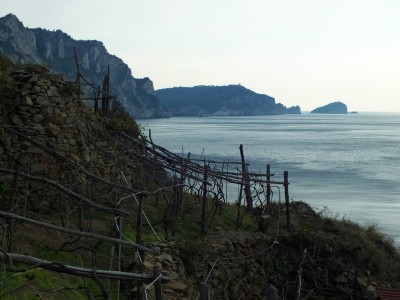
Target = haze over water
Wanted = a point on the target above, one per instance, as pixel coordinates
(347, 163)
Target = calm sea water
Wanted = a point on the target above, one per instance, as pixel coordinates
(347, 163)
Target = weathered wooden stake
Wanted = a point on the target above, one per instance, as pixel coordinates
(286, 183)
(106, 90)
(245, 179)
(204, 293)
(203, 210)
(239, 205)
(96, 100)
(263, 223)
(268, 188)
(157, 284)
(139, 224)
(111, 264)
(78, 75)
(175, 208)
(139, 241)
(119, 224)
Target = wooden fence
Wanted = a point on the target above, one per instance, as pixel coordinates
(205, 179)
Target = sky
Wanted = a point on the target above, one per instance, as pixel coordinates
(301, 52)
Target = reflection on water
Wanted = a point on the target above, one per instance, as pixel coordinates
(349, 163)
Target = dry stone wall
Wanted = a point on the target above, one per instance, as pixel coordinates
(46, 115)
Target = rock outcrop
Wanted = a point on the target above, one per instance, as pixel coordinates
(331, 108)
(232, 100)
(54, 49)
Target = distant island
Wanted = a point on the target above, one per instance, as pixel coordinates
(230, 100)
(331, 108)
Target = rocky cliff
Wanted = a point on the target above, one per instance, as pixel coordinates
(232, 100)
(331, 108)
(54, 49)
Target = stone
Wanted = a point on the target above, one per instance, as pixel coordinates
(176, 286)
(24, 107)
(93, 157)
(27, 86)
(34, 150)
(39, 128)
(36, 167)
(173, 276)
(16, 120)
(75, 157)
(36, 89)
(229, 245)
(63, 147)
(37, 118)
(26, 100)
(165, 257)
(341, 279)
(25, 92)
(53, 92)
(181, 269)
(70, 119)
(42, 101)
(53, 129)
(23, 160)
(57, 99)
(34, 78)
(371, 292)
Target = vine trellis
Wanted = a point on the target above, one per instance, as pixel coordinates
(168, 177)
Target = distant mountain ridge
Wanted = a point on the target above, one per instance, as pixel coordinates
(54, 49)
(231, 100)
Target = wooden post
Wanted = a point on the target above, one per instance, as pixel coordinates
(268, 188)
(9, 222)
(286, 183)
(96, 100)
(263, 223)
(204, 293)
(203, 210)
(157, 284)
(139, 241)
(175, 208)
(106, 90)
(78, 75)
(110, 269)
(119, 224)
(245, 179)
(108, 106)
(239, 205)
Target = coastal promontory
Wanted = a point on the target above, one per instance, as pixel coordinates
(230, 100)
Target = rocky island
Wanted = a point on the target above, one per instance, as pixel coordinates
(331, 108)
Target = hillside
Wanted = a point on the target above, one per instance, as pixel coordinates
(90, 208)
(231, 100)
(55, 50)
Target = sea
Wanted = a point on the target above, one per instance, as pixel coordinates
(346, 166)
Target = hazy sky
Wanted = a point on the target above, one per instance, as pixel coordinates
(302, 52)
